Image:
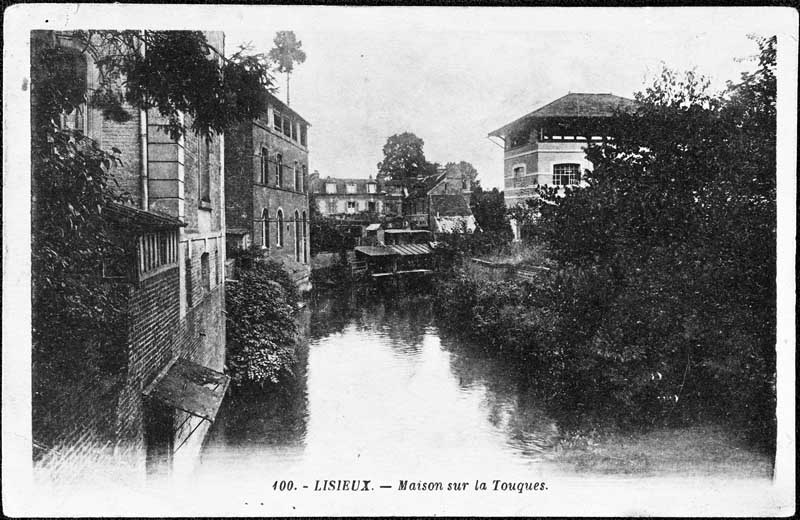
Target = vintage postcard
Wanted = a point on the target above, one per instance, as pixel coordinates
(373, 260)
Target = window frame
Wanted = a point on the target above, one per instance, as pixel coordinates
(573, 176)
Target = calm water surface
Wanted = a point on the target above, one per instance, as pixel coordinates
(380, 392)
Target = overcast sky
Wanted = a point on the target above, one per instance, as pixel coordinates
(451, 76)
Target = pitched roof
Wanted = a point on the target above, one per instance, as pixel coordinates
(449, 206)
(574, 105)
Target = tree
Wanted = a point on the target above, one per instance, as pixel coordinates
(489, 208)
(403, 158)
(465, 169)
(677, 224)
(286, 53)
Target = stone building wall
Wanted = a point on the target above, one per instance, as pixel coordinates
(174, 311)
(255, 190)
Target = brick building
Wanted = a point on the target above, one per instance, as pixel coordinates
(547, 146)
(153, 413)
(266, 186)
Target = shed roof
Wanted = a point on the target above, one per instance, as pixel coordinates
(573, 105)
(191, 388)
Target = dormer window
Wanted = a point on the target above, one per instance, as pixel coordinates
(350, 188)
(372, 187)
(330, 187)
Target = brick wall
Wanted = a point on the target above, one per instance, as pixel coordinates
(246, 197)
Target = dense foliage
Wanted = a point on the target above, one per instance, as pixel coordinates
(325, 237)
(404, 158)
(489, 209)
(261, 328)
(665, 301)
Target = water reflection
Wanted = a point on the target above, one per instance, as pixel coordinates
(379, 390)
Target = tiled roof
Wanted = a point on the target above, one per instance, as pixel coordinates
(135, 217)
(574, 105)
(449, 206)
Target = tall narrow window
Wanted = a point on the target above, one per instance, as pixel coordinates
(294, 131)
(279, 170)
(280, 228)
(264, 165)
(265, 228)
(298, 233)
(287, 124)
(276, 120)
(303, 134)
(297, 180)
(216, 267)
(305, 238)
(204, 170)
(188, 281)
(304, 179)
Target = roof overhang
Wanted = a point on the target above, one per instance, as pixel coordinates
(191, 388)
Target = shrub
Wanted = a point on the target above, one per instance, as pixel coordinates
(261, 329)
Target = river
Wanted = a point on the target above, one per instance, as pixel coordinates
(378, 386)
(380, 393)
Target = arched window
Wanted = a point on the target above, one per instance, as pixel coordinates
(280, 228)
(265, 228)
(305, 239)
(298, 233)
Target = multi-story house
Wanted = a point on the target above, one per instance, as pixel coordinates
(153, 411)
(266, 186)
(547, 146)
(335, 196)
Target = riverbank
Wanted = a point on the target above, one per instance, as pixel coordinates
(701, 450)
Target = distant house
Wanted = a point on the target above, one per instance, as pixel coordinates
(335, 196)
(437, 202)
(547, 146)
(266, 184)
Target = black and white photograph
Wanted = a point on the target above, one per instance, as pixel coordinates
(398, 260)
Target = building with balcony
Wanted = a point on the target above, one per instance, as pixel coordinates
(266, 186)
(547, 146)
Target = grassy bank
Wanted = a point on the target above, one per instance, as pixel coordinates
(612, 353)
